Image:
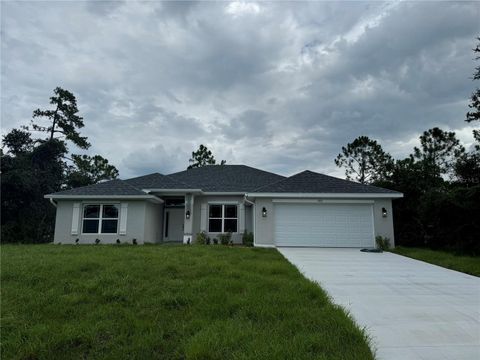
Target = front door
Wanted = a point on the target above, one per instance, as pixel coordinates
(173, 229)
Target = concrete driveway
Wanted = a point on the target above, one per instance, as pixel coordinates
(411, 309)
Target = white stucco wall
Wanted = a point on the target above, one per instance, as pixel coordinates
(264, 231)
(206, 200)
(264, 226)
(384, 225)
(153, 223)
(136, 229)
(145, 221)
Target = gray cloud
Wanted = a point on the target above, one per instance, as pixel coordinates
(281, 86)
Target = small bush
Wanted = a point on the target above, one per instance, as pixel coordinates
(383, 243)
(208, 242)
(247, 238)
(215, 241)
(226, 238)
(201, 238)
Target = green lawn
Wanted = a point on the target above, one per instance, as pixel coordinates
(166, 302)
(467, 264)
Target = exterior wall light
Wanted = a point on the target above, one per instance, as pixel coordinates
(187, 214)
(384, 212)
(264, 212)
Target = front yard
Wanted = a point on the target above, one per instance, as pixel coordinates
(166, 302)
(467, 264)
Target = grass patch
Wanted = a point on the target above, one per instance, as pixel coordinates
(166, 302)
(466, 264)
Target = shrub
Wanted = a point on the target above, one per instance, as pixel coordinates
(201, 238)
(383, 243)
(226, 238)
(134, 241)
(247, 238)
(215, 241)
(208, 240)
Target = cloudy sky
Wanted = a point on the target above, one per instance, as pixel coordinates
(280, 86)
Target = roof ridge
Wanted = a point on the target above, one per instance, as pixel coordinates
(226, 165)
(264, 171)
(142, 176)
(315, 177)
(348, 181)
(133, 187)
(275, 182)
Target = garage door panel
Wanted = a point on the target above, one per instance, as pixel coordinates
(328, 225)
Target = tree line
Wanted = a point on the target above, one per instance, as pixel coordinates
(440, 181)
(35, 165)
(36, 160)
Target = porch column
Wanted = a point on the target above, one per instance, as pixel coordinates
(188, 222)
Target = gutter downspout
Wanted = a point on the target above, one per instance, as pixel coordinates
(254, 213)
(52, 202)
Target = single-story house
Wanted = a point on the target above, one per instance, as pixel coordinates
(306, 209)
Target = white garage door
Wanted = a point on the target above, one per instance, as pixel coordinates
(324, 225)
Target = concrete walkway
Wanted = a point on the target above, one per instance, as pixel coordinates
(411, 309)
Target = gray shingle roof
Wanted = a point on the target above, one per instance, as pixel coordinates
(156, 181)
(225, 178)
(312, 182)
(112, 187)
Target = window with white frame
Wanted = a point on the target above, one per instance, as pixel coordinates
(100, 219)
(222, 218)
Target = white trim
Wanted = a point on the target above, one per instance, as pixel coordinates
(347, 201)
(328, 195)
(123, 218)
(75, 218)
(100, 219)
(373, 227)
(263, 245)
(254, 223)
(223, 202)
(320, 201)
(188, 191)
(296, 201)
(241, 218)
(223, 218)
(203, 217)
(223, 193)
(98, 202)
(106, 197)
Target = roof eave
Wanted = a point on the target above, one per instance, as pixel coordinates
(241, 193)
(173, 191)
(104, 197)
(326, 195)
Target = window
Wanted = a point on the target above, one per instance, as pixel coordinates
(222, 218)
(100, 219)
